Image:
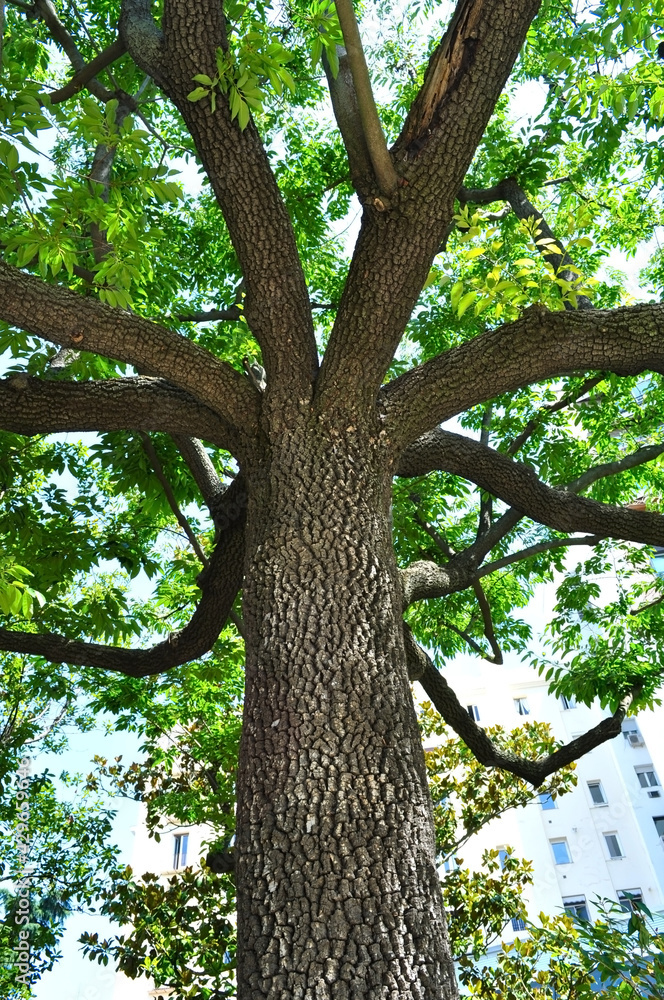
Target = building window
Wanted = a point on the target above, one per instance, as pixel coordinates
(518, 924)
(521, 705)
(503, 855)
(632, 733)
(647, 777)
(576, 907)
(561, 853)
(568, 701)
(657, 560)
(659, 825)
(473, 712)
(547, 801)
(613, 845)
(628, 897)
(180, 843)
(597, 793)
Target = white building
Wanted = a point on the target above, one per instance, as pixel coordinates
(603, 838)
(179, 846)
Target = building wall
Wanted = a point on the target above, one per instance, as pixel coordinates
(628, 812)
(158, 858)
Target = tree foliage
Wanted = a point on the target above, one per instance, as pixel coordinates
(178, 195)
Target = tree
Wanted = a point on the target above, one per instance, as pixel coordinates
(337, 889)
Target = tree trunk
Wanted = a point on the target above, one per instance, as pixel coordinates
(338, 894)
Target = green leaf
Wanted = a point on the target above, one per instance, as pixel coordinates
(243, 116)
(455, 293)
(465, 301)
(197, 94)
(11, 158)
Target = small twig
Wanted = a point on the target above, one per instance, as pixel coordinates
(644, 607)
(557, 180)
(237, 621)
(489, 632)
(88, 72)
(635, 458)
(547, 410)
(442, 544)
(533, 550)
(486, 500)
(210, 315)
(170, 496)
(475, 646)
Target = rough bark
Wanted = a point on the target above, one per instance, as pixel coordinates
(277, 303)
(397, 243)
(338, 894)
(518, 485)
(36, 406)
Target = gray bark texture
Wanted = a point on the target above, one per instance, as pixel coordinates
(338, 895)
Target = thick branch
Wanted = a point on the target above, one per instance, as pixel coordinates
(220, 583)
(373, 132)
(46, 11)
(63, 317)
(479, 48)
(537, 346)
(276, 305)
(517, 484)
(535, 772)
(398, 242)
(88, 72)
(346, 112)
(425, 579)
(204, 473)
(440, 448)
(141, 34)
(39, 406)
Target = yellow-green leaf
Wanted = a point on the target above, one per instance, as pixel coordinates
(465, 301)
(475, 252)
(455, 293)
(197, 94)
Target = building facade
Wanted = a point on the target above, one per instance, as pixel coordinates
(603, 839)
